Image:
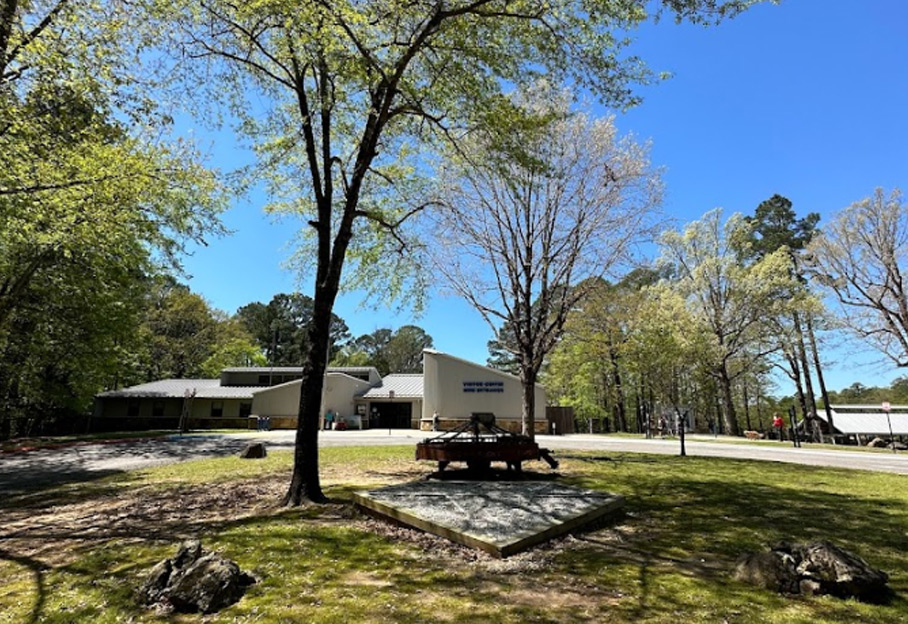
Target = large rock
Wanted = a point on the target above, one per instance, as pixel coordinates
(770, 570)
(815, 568)
(254, 450)
(208, 585)
(877, 443)
(840, 573)
(194, 582)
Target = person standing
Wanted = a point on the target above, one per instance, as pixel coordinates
(329, 420)
(778, 425)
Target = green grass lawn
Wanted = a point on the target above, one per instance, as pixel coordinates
(687, 521)
(724, 439)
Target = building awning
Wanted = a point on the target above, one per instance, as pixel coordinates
(398, 386)
(868, 419)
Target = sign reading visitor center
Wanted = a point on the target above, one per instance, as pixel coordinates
(483, 386)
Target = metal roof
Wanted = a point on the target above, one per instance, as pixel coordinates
(178, 388)
(296, 369)
(870, 421)
(403, 385)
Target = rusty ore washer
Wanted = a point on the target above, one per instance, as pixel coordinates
(479, 442)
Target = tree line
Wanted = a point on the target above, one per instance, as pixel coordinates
(47, 382)
(729, 307)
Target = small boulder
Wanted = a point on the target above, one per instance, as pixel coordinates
(841, 573)
(187, 554)
(194, 582)
(156, 582)
(254, 450)
(771, 570)
(208, 585)
(877, 443)
(815, 568)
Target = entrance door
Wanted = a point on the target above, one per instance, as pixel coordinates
(391, 415)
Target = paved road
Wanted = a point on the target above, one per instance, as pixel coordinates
(28, 470)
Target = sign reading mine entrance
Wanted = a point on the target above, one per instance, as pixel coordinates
(483, 386)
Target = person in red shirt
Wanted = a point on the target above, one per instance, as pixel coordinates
(778, 424)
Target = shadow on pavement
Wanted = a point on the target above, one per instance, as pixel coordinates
(32, 470)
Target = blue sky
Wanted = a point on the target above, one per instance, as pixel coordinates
(808, 99)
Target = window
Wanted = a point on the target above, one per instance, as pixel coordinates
(245, 410)
(217, 409)
(132, 408)
(157, 408)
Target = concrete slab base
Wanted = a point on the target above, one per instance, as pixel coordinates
(501, 518)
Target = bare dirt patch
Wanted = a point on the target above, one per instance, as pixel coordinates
(49, 526)
(52, 532)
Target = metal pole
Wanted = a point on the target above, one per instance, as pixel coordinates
(886, 409)
(796, 441)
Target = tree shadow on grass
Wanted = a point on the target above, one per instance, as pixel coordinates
(697, 527)
(683, 532)
(37, 571)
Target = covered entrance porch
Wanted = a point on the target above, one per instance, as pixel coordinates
(390, 415)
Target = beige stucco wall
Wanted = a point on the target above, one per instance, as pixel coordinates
(340, 392)
(283, 401)
(278, 401)
(446, 390)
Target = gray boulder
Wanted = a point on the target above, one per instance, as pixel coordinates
(208, 585)
(835, 571)
(187, 554)
(155, 583)
(254, 450)
(815, 568)
(194, 582)
(770, 570)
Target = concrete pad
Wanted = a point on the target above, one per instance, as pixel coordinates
(501, 518)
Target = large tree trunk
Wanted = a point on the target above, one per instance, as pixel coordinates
(795, 375)
(304, 483)
(818, 367)
(731, 420)
(620, 413)
(810, 414)
(746, 407)
(759, 408)
(528, 381)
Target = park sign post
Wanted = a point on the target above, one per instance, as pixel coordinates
(887, 408)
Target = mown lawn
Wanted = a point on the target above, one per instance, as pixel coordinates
(77, 553)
